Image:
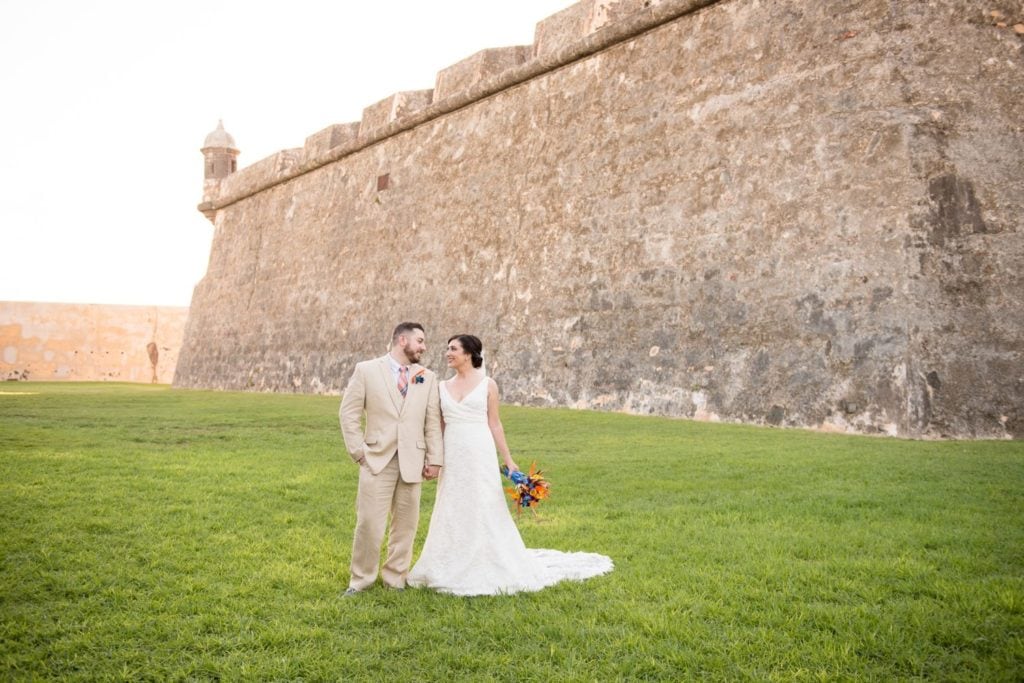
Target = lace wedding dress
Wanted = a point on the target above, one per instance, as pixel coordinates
(473, 546)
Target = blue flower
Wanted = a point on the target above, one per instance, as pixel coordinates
(528, 489)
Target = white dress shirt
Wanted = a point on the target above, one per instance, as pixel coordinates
(396, 368)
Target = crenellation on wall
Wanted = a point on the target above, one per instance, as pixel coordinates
(264, 173)
(605, 13)
(393, 108)
(567, 26)
(578, 21)
(602, 23)
(463, 76)
(319, 145)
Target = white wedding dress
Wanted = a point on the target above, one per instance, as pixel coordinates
(473, 546)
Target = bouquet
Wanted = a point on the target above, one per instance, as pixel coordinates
(527, 490)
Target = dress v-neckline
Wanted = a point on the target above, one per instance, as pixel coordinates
(458, 401)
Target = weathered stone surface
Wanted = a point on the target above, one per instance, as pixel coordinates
(319, 145)
(789, 213)
(469, 72)
(263, 173)
(393, 108)
(580, 20)
(606, 12)
(89, 342)
(559, 29)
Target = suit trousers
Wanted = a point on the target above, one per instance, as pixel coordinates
(379, 495)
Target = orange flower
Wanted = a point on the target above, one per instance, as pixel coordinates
(527, 489)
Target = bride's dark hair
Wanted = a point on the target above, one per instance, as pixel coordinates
(471, 345)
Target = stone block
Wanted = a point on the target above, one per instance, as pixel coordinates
(393, 108)
(319, 145)
(561, 28)
(606, 12)
(463, 76)
(263, 173)
(580, 20)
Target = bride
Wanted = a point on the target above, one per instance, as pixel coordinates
(473, 546)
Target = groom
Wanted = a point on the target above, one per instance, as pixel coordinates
(400, 447)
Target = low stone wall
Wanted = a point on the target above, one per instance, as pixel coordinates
(89, 342)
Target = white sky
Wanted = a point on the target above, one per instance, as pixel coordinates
(107, 102)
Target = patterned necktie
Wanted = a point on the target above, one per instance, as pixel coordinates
(403, 380)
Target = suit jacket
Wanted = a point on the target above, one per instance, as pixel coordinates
(410, 426)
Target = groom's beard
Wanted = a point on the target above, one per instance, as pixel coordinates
(413, 356)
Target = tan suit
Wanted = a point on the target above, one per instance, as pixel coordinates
(402, 435)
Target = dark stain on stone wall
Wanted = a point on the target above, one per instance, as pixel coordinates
(955, 209)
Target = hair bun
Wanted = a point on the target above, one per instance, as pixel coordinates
(471, 345)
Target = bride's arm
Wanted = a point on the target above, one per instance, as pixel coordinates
(494, 422)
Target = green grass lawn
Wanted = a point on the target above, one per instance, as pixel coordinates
(150, 533)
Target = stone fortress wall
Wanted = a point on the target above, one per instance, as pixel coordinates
(762, 211)
(90, 342)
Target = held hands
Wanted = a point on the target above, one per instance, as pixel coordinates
(429, 471)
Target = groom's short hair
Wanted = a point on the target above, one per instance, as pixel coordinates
(405, 328)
